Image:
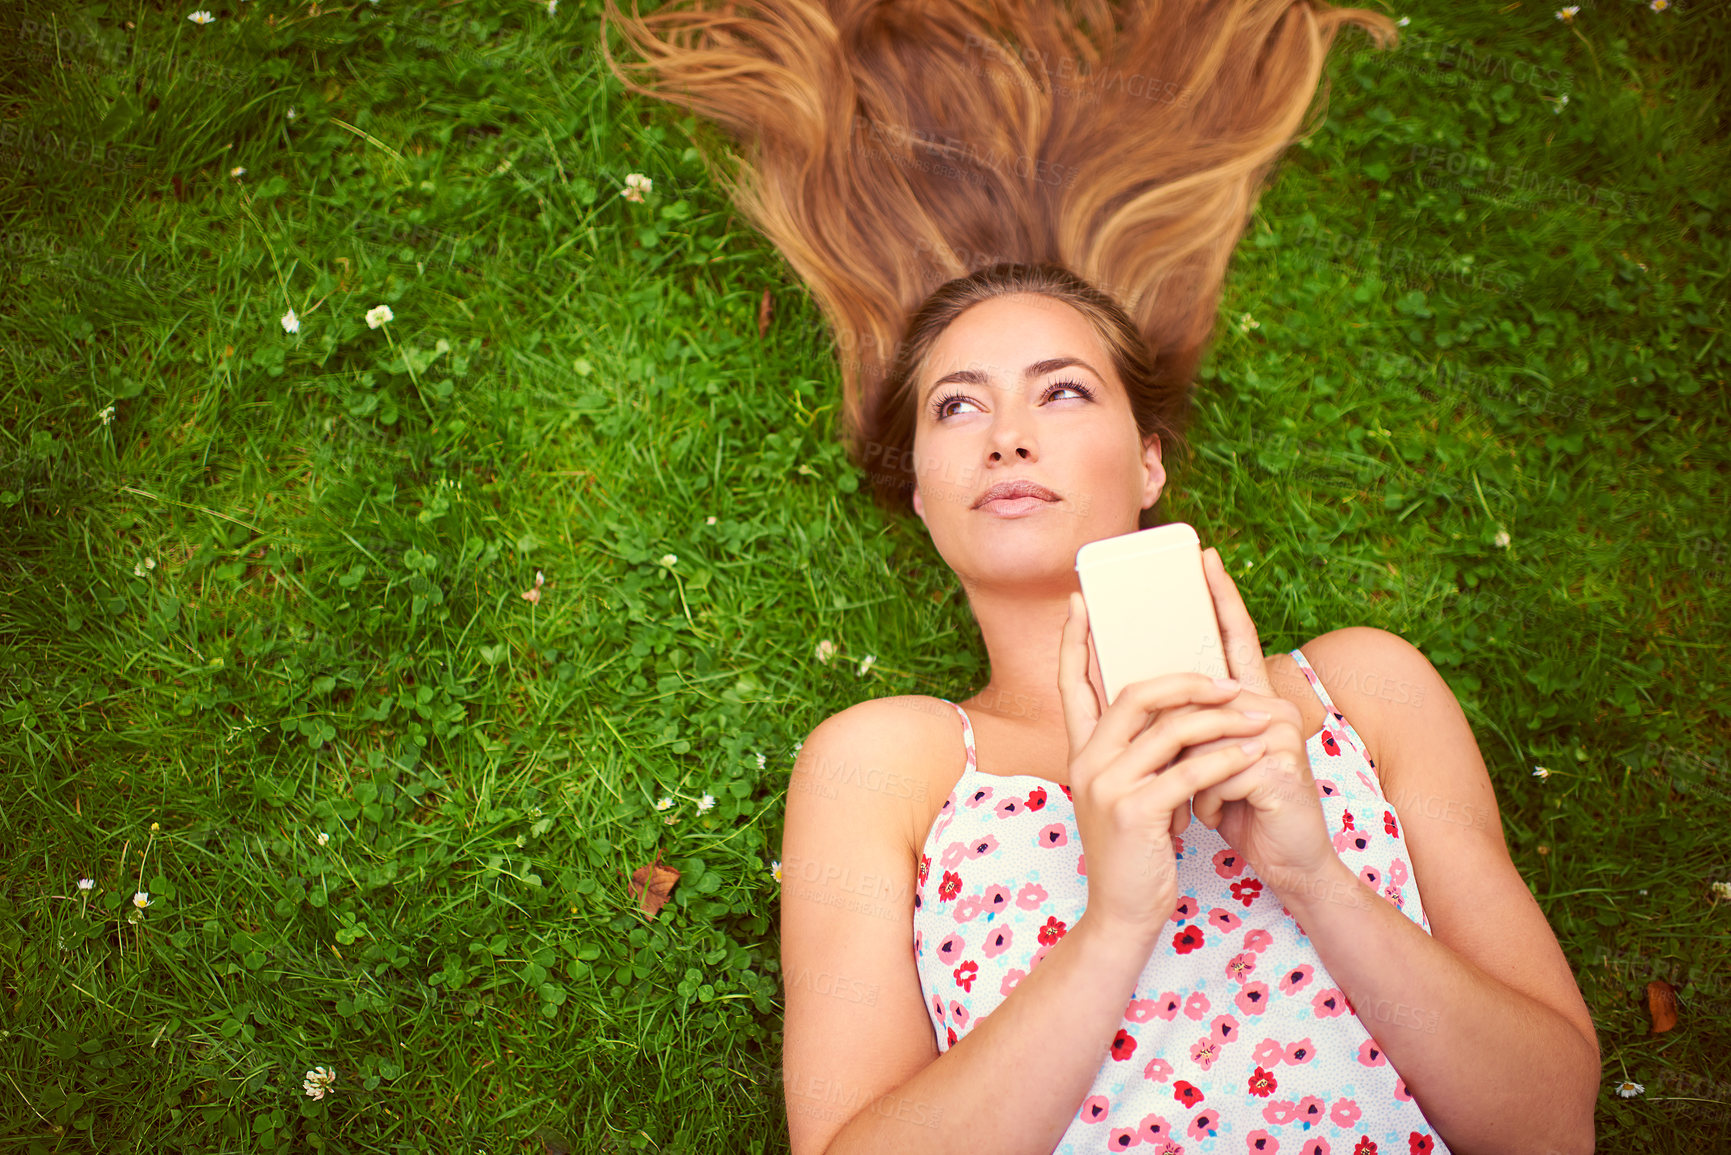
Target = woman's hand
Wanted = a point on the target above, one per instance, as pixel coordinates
(1125, 790)
(1269, 810)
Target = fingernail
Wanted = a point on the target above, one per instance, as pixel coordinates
(1256, 715)
(1253, 747)
(1227, 684)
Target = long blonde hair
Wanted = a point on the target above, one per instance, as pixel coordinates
(887, 147)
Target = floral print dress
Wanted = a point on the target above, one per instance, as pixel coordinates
(1236, 1038)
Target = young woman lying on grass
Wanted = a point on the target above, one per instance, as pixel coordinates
(1337, 955)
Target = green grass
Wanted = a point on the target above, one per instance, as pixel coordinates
(1474, 314)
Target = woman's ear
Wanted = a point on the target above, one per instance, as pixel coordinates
(1155, 479)
(919, 505)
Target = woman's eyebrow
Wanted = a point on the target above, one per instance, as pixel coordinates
(1038, 368)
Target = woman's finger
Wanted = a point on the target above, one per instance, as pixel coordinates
(1081, 706)
(1237, 631)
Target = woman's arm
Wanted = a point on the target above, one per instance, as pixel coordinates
(1482, 1016)
(861, 1066)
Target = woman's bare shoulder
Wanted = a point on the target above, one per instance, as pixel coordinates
(884, 756)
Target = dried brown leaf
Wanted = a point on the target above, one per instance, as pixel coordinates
(652, 884)
(1662, 1005)
(765, 311)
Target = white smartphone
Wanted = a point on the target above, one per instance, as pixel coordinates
(1149, 609)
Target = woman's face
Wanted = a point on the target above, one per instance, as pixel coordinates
(985, 420)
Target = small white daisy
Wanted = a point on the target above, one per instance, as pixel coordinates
(775, 869)
(237, 172)
(664, 804)
(1659, 5)
(322, 838)
(1502, 539)
(710, 520)
(318, 1082)
(1629, 1089)
(105, 415)
(1541, 772)
(636, 184)
(705, 803)
(201, 17)
(90, 883)
(1568, 14)
(1403, 22)
(825, 651)
(141, 899)
(668, 559)
(552, 6)
(290, 322)
(292, 114)
(867, 664)
(379, 315)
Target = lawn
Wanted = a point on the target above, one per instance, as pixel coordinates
(368, 653)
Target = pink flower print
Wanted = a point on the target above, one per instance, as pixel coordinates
(1397, 871)
(1224, 1029)
(1228, 863)
(1166, 1006)
(1393, 894)
(950, 950)
(965, 975)
(1326, 789)
(1186, 909)
(1054, 930)
(953, 855)
(1053, 836)
(1039, 956)
(1258, 940)
(1268, 1053)
(1371, 877)
(959, 1014)
(1082, 864)
(1196, 1005)
(1037, 798)
(1140, 1010)
(1031, 897)
(1252, 998)
(1094, 1109)
(980, 847)
(1245, 890)
(1204, 1051)
(1222, 919)
(969, 908)
(1369, 783)
(979, 797)
(1158, 1070)
(1299, 1053)
(1280, 1112)
(1329, 1003)
(1010, 807)
(950, 886)
(1178, 844)
(1121, 1139)
(938, 1008)
(1262, 1143)
(1343, 841)
(1169, 1148)
(1015, 975)
(1123, 1046)
(997, 941)
(1296, 979)
(1370, 1054)
(1153, 1128)
(1329, 745)
(1345, 1113)
(996, 899)
(1204, 1124)
(1314, 1147)
(1239, 966)
(1400, 1091)
(1310, 1110)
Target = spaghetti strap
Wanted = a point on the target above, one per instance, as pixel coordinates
(967, 734)
(1315, 682)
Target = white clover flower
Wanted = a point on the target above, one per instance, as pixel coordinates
(664, 804)
(762, 761)
(1722, 889)
(636, 184)
(290, 322)
(1502, 539)
(379, 315)
(1541, 772)
(141, 899)
(318, 1082)
(322, 838)
(292, 114)
(138, 569)
(201, 17)
(552, 6)
(105, 415)
(1247, 323)
(825, 651)
(1629, 1089)
(90, 883)
(149, 563)
(668, 559)
(705, 803)
(710, 520)
(867, 664)
(1403, 22)
(775, 869)
(237, 172)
